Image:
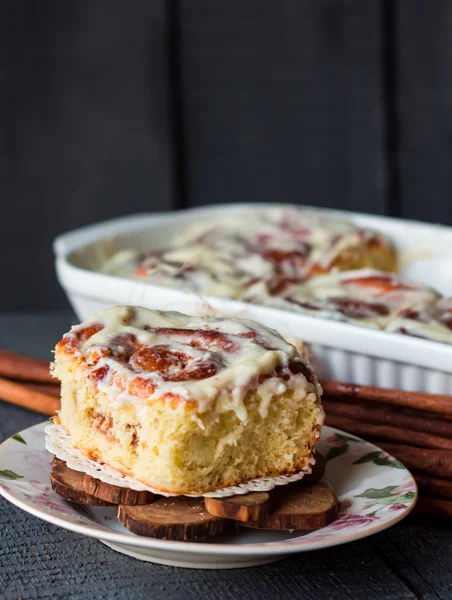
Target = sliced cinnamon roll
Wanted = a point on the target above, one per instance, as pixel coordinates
(187, 404)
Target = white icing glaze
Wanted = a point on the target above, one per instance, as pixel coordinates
(364, 296)
(272, 257)
(222, 257)
(238, 361)
(341, 283)
(429, 329)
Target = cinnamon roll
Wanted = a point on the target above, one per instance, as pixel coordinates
(187, 404)
(273, 247)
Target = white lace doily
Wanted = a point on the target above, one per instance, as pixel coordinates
(59, 443)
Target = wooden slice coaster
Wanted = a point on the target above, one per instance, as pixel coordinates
(69, 485)
(114, 493)
(299, 506)
(256, 505)
(249, 507)
(303, 505)
(176, 518)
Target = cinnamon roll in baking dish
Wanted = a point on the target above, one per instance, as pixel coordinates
(187, 404)
(273, 247)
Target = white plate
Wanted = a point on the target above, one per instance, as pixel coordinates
(374, 489)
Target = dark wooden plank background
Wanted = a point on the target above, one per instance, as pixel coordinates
(424, 100)
(87, 122)
(109, 107)
(283, 101)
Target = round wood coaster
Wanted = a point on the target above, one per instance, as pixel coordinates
(256, 505)
(176, 518)
(249, 507)
(114, 493)
(69, 485)
(299, 506)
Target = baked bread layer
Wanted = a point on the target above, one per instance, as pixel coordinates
(187, 409)
(171, 447)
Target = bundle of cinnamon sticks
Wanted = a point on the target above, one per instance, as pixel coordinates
(415, 427)
(27, 382)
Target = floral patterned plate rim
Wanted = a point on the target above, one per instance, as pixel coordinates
(374, 489)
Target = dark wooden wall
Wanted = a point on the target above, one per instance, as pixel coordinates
(284, 101)
(86, 131)
(111, 107)
(424, 107)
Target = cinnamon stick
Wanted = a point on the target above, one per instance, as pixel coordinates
(431, 486)
(25, 368)
(390, 416)
(45, 388)
(434, 403)
(433, 507)
(21, 395)
(389, 433)
(436, 463)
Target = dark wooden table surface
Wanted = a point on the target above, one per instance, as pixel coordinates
(38, 560)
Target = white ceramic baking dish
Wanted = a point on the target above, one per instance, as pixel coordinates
(341, 350)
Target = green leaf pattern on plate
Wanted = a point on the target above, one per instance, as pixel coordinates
(377, 493)
(7, 474)
(378, 457)
(339, 445)
(19, 438)
(336, 451)
(392, 496)
(347, 438)
(370, 457)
